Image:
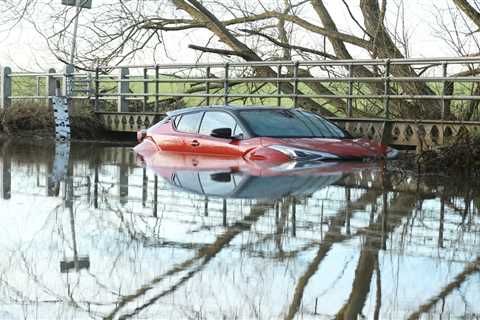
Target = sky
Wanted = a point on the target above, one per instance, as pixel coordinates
(23, 49)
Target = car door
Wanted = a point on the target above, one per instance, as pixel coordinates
(188, 127)
(208, 144)
(166, 137)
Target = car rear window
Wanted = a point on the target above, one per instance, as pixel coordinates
(189, 122)
(289, 124)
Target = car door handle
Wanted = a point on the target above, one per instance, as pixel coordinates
(195, 143)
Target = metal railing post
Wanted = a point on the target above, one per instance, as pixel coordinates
(5, 88)
(50, 86)
(444, 90)
(157, 88)
(279, 73)
(386, 97)
(89, 85)
(225, 84)
(145, 89)
(37, 86)
(97, 89)
(207, 86)
(123, 85)
(295, 84)
(350, 91)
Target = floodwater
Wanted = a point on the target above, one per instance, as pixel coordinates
(87, 232)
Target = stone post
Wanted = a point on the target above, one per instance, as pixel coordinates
(50, 89)
(5, 87)
(122, 105)
(145, 89)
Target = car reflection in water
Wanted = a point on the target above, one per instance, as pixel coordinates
(227, 177)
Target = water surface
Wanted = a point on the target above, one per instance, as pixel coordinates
(87, 232)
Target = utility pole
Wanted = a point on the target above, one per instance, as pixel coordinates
(62, 103)
(75, 31)
(79, 5)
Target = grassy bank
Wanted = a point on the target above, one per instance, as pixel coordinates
(35, 119)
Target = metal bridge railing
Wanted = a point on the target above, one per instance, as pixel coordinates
(372, 86)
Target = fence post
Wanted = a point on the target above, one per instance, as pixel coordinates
(5, 88)
(145, 88)
(50, 89)
(350, 91)
(386, 97)
(37, 86)
(122, 105)
(279, 73)
(157, 88)
(295, 84)
(207, 86)
(444, 83)
(225, 84)
(97, 89)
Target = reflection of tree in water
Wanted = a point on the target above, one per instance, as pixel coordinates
(191, 266)
(457, 282)
(269, 232)
(332, 236)
(375, 239)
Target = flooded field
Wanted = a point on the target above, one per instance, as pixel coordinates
(88, 232)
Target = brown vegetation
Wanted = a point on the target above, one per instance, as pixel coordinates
(35, 119)
(458, 159)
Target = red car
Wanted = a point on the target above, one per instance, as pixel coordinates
(263, 134)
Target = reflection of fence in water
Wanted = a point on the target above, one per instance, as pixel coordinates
(286, 229)
(304, 218)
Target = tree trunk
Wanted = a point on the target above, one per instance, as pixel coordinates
(383, 47)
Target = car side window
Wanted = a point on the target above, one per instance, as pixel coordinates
(215, 120)
(238, 131)
(189, 122)
(176, 121)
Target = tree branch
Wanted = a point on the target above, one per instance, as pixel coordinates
(469, 10)
(289, 46)
(163, 24)
(223, 52)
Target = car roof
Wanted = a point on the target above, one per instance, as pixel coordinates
(222, 108)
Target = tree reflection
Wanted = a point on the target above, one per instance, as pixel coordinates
(332, 236)
(191, 266)
(151, 244)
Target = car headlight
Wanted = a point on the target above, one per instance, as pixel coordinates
(303, 154)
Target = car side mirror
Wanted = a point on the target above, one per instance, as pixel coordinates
(225, 133)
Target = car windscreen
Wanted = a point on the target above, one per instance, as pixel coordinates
(290, 124)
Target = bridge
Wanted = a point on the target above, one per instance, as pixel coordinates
(409, 102)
